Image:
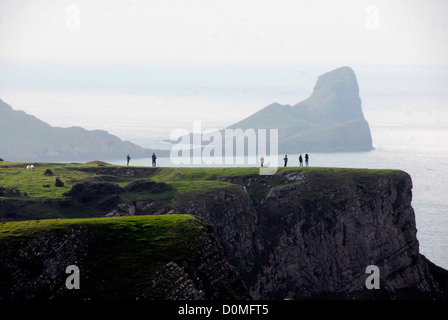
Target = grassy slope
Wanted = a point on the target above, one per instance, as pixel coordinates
(124, 253)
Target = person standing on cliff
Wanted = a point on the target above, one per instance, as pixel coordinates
(306, 159)
(128, 158)
(300, 161)
(286, 159)
(262, 160)
(154, 159)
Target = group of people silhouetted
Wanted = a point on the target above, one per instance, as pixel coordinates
(285, 159)
(153, 157)
(307, 158)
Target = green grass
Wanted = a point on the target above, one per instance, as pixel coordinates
(35, 227)
(183, 180)
(14, 174)
(37, 201)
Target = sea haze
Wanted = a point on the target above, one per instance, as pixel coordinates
(406, 108)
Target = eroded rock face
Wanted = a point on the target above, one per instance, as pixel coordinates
(326, 243)
(209, 276)
(123, 209)
(316, 235)
(37, 269)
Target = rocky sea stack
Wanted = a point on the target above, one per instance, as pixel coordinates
(330, 120)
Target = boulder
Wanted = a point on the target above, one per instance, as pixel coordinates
(123, 209)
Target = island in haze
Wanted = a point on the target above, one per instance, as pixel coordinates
(330, 120)
(23, 137)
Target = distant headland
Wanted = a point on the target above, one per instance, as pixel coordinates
(330, 120)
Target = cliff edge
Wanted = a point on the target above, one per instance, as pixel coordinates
(219, 233)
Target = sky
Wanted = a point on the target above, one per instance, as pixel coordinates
(229, 58)
(314, 31)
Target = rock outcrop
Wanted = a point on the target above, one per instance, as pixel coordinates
(330, 120)
(316, 235)
(210, 276)
(123, 209)
(34, 269)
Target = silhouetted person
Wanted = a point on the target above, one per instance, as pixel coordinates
(154, 159)
(286, 159)
(128, 158)
(306, 159)
(300, 161)
(262, 160)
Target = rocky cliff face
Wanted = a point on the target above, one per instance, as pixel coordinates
(299, 234)
(316, 235)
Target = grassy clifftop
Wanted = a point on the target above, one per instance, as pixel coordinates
(32, 194)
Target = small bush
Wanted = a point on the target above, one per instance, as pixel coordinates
(147, 186)
(9, 192)
(88, 191)
(59, 183)
(109, 203)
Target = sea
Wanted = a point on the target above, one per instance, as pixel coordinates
(406, 108)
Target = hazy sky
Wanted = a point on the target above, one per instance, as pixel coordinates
(347, 31)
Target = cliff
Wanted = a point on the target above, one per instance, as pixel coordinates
(303, 233)
(119, 259)
(314, 236)
(330, 120)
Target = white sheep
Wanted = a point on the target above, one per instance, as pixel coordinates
(32, 167)
(28, 167)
